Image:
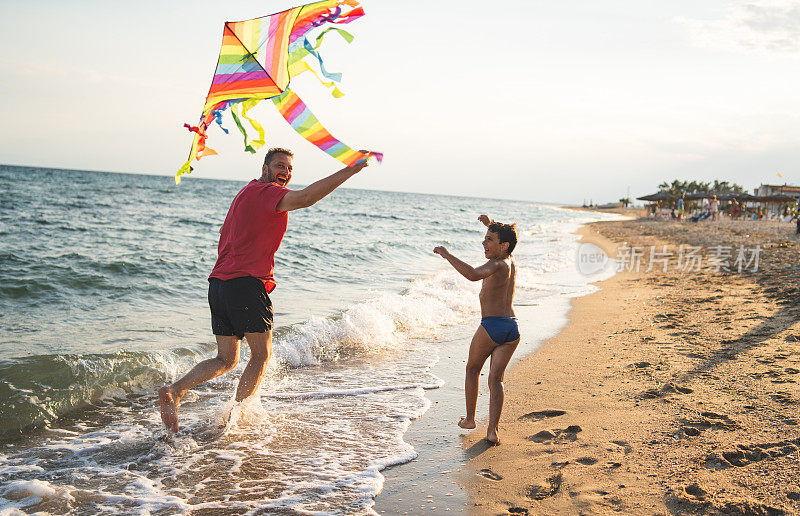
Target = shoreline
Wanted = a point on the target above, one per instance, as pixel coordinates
(666, 392)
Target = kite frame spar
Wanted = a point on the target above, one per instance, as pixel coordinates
(244, 77)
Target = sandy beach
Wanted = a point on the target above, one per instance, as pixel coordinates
(669, 391)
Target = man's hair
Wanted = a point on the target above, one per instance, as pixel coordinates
(505, 233)
(276, 150)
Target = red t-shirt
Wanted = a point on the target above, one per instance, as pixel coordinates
(251, 234)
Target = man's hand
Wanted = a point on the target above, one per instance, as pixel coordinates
(485, 220)
(441, 251)
(357, 167)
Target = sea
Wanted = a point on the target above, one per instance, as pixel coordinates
(103, 299)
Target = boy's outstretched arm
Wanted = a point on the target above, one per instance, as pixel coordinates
(467, 270)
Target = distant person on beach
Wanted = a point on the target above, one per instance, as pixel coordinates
(498, 334)
(796, 214)
(680, 208)
(713, 205)
(242, 278)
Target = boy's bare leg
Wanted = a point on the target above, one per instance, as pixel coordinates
(479, 350)
(170, 395)
(260, 351)
(497, 368)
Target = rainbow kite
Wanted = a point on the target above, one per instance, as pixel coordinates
(257, 60)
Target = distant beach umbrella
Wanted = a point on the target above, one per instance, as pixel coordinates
(660, 196)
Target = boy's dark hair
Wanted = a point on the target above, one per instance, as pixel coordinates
(505, 233)
(276, 150)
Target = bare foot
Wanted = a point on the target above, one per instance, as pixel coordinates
(169, 408)
(469, 424)
(492, 437)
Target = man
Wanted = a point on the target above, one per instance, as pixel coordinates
(498, 335)
(680, 208)
(242, 277)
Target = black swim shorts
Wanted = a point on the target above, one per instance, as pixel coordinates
(239, 306)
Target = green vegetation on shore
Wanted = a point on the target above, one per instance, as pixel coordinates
(678, 188)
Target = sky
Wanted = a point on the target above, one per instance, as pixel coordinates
(560, 102)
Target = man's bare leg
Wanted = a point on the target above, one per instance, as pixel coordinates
(260, 351)
(497, 368)
(479, 350)
(170, 396)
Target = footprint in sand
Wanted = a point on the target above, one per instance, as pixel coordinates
(783, 397)
(745, 454)
(540, 492)
(586, 461)
(626, 447)
(542, 437)
(695, 491)
(491, 475)
(567, 434)
(667, 389)
(542, 414)
(693, 426)
(722, 417)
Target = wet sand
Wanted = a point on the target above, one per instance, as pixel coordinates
(667, 393)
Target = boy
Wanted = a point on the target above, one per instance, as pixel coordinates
(498, 335)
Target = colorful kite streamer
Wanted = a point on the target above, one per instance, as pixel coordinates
(257, 61)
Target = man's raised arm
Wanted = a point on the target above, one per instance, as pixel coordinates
(308, 196)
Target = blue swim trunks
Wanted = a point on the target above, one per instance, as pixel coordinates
(501, 329)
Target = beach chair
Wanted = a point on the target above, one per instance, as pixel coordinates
(701, 216)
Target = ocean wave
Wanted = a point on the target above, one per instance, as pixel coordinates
(204, 223)
(70, 274)
(376, 216)
(38, 390)
(33, 288)
(384, 322)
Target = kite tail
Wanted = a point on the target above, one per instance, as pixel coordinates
(199, 148)
(307, 125)
(253, 145)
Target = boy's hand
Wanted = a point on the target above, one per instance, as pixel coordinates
(485, 220)
(441, 251)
